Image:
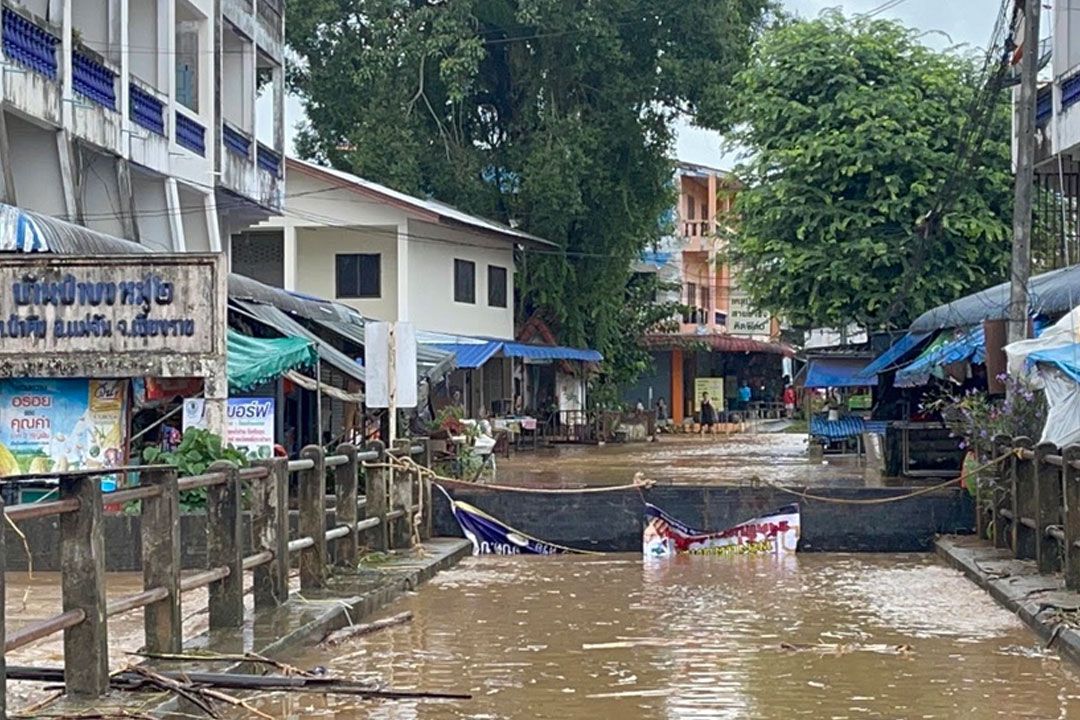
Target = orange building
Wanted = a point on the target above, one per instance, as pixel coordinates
(721, 341)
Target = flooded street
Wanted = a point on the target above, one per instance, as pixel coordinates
(816, 636)
(685, 460)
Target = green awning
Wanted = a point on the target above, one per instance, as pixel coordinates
(254, 361)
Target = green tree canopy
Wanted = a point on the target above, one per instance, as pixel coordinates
(856, 132)
(554, 114)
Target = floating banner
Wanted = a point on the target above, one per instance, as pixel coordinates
(776, 533)
(493, 537)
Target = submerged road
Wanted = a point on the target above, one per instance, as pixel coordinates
(816, 636)
(687, 460)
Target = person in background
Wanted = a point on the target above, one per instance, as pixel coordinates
(661, 411)
(708, 414)
(789, 400)
(640, 407)
(744, 395)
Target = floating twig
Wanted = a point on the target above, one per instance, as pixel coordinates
(348, 633)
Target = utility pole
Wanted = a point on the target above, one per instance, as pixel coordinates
(1025, 172)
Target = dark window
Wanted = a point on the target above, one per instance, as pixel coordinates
(464, 281)
(496, 286)
(359, 275)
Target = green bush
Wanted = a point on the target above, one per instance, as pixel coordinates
(197, 451)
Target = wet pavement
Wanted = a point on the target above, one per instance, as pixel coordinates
(816, 636)
(686, 460)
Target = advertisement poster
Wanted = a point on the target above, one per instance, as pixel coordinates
(61, 425)
(250, 423)
(713, 386)
(776, 533)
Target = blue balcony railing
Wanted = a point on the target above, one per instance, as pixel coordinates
(29, 45)
(1044, 107)
(235, 141)
(1070, 91)
(93, 80)
(147, 110)
(269, 160)
(190, 134)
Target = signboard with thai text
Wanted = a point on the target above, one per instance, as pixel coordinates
(744, 319)
(115, 316)
(250, 423)
(59, 425)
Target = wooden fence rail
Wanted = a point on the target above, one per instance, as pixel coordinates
(1035, 506)
(394, 512)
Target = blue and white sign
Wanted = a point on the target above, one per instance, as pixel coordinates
(250, 423)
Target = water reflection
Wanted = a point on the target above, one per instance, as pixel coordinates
(807, 636)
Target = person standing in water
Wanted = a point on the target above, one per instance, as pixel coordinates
(708, 414)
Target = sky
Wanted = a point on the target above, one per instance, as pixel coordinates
(963, 22)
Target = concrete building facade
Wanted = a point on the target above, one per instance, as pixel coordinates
(159, 121)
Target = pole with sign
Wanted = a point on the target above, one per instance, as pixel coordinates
(390, 364)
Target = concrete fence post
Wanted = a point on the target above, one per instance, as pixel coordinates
(376, 499)
(313, 519)
(401, 498)
(1047, 503)
(1023, 501)
(82, 569)
(346, 551)
(160, 528)
(270, 532)
(427, 523)
(1001, 497)
(1071, 521)
(225, 547)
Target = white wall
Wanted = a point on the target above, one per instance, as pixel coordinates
(103, 208)
(432, 250)
(35, 159)
(316, 249)
(152, 212)
(143, 41)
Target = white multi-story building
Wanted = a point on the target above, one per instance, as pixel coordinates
(160, 121)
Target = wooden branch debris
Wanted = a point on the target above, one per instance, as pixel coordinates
(247, 657)
(354, 631)
(190, 684)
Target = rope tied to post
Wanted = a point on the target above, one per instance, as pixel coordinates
(1015, 452)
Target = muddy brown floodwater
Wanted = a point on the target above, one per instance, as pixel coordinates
(613, 637)
(685, 460)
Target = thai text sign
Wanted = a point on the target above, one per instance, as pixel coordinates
(745, 320)
(68, 309)
(250, 423)
(54, 425)
(776, 533)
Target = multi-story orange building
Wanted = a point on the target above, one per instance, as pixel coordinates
(721, 341)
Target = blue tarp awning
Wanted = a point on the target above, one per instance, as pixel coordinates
(842, 429)
(469, 355)
(952, 346)
(1065, 358)
(836, 372)
(891, 358)
(550, 352)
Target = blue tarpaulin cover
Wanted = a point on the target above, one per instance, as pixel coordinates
(952, 346)
(842, 429)
(472, 353)
(1065, 358)
(838, 372)
(891, 358)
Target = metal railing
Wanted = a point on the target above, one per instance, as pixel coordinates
(1034, 508)
(394, 511)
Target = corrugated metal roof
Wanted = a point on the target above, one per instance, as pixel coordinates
(434, 207)
(281, 322)
(550, 352)
(471, 354)
(717, 342)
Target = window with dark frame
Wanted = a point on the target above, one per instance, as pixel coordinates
(358, 275)
(496, 286)
(465, 281)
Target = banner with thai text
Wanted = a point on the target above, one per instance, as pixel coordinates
(776, 533)
(59, 425)
(250, 424)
